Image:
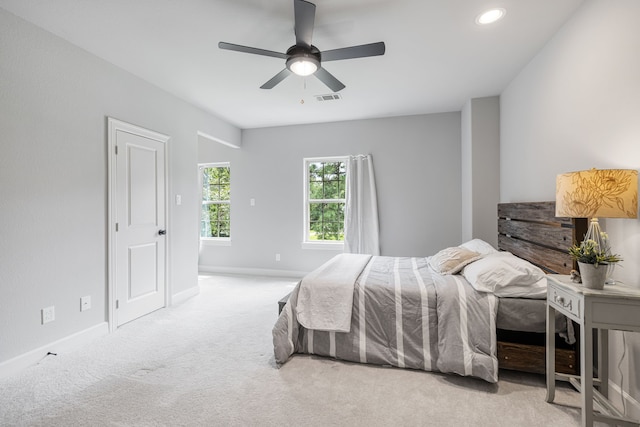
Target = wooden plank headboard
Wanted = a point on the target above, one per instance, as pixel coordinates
(532, 231)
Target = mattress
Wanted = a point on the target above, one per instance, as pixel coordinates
(530, 315)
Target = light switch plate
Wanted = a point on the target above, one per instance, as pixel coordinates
(85, 303)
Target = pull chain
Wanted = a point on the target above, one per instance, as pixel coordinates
(304, 84)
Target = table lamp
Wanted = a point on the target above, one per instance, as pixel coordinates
(597, 193)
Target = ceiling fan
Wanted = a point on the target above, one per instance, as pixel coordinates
(305, 59)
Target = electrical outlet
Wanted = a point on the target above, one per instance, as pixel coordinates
(277, 257)
(48, 314)
(85, 303)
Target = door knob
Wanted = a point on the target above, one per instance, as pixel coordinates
(162, 232)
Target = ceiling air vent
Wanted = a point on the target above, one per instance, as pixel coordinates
(330, 97)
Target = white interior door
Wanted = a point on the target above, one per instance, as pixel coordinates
(139, 219)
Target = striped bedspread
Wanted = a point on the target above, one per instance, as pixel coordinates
(404, 315)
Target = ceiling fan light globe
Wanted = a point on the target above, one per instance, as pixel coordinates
(303, 66)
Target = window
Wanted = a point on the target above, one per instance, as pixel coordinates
(325, 200)
(215, 219)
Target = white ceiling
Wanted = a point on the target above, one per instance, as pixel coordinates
(436, 56)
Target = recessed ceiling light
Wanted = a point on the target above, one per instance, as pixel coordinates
(490, 16)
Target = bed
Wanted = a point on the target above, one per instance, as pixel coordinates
(458, 311)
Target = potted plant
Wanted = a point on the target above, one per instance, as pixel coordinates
(594, 261)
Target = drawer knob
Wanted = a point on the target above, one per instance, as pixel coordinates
(563, 302)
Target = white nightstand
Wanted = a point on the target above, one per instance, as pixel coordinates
(615, 307)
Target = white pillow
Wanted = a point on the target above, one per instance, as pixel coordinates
(452, 260)
(506, 275)
(480, 246)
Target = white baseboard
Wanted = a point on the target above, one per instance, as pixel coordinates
(185, 295)
(632, 405)
(68, 343)
(252, 271)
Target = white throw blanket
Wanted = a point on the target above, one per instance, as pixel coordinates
(325, 299)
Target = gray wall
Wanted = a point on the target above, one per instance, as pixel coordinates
(480, 169)
(577, 106)
(417, 168)
(54, 100)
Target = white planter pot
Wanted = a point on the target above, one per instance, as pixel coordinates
(593, 277)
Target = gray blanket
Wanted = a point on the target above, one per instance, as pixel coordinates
(404, 315)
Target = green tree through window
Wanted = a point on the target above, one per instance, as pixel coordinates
(326, 200)
(215, 220)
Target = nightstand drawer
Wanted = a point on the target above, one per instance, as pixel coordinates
(567, 303)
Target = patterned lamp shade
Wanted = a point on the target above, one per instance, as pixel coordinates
(597, 193)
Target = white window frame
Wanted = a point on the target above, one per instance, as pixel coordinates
(213, 241)
(306, 242)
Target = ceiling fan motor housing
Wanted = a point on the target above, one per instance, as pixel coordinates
(303, 60)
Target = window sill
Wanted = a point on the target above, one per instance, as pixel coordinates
(215, 242)
(323, 246)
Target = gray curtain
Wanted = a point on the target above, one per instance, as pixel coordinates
(361, 212)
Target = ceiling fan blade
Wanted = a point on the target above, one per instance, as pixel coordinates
(305, 15)
(254, 50)
(276, 79)
(361, 51)
(327, 78)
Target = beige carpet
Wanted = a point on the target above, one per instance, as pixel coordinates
(209, 362)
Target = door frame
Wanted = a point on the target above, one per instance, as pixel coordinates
(113, 126)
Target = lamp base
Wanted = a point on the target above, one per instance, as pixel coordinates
(596, 234)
